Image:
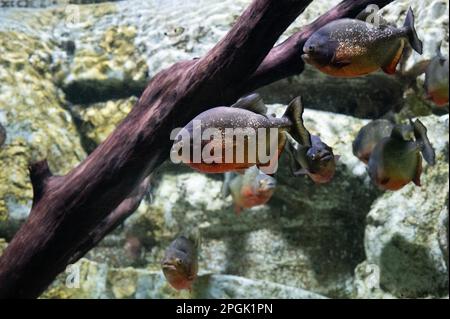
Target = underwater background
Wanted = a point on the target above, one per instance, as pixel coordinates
(70, 73)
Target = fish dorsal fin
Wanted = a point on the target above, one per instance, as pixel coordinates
(391, 67)
(253, 103)
(420, 133)
(439, 53)
(397, 133)
(193, 235)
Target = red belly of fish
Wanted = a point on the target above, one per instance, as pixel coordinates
(394, 185)
(253, 201)
(349, 71)
(439, 97)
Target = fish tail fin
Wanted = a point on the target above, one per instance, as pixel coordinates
(420, 133)
(413, 38)
(294, 113)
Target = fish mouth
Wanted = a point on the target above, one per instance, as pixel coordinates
(306, 57)
(323, 157)
(268, 187)
(169, 266)
(326, 158)
(271, 185)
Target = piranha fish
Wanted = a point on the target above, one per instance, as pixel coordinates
(436, 79)
(369, 136)
(2, 135)
(311, 156)
(248, 115)
(250, 189)
(395, 161)
(180, 262)
(352, 47)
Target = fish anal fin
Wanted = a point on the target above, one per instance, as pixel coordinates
(416, 179)
(392, 66)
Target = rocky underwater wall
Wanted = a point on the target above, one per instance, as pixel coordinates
(68, 77)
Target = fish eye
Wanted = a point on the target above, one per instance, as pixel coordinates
(311, 48)
(178, 261)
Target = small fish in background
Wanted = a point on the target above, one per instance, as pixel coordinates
(310, 155)
(253, 188)
(369, 136)
(133, 248)
(436, 79)
(354, 47)
(2, 135)
(180, 262)
(396, 161)
(248, 113)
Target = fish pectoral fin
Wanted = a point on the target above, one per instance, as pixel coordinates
(342, 64)
(253, 103)
(391, 68)
(339, 63)
(416, 179)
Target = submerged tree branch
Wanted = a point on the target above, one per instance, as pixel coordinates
(68, 209)
(117, 217)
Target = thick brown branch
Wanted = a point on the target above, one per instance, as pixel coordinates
(285, 59)
(71, 207)
(117, 217)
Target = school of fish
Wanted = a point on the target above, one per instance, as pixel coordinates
(393, 152)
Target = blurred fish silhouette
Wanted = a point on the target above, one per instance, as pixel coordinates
(310, 155)
(395, 161)
(180, 262)
(354, 47)
(133, 248)
(250, 189)
(249, 113)
(436, 79)
(369, 136)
